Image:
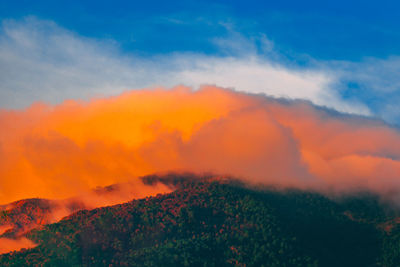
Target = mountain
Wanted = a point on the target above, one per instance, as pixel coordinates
(21, 216)
(219, 222)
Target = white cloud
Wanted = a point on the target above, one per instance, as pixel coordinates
(250, 74)
(372, 81)
(40, 61)
(380, 75)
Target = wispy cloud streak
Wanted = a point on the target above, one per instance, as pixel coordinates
(39, 61)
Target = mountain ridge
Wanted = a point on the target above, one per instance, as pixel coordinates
(215, 222)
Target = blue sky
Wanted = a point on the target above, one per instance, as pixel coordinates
(338, 54)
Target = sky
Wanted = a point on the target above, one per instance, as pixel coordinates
(341, 55)
(299, 94)
(290, 93)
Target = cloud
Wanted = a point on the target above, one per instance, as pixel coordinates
(372, 81)
(115, 139)
(40, 61)
(254, 75)
(66, 150)
(8, 245)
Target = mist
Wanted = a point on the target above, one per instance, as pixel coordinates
(65, 150)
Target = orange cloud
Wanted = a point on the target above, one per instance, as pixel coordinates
(8, 245)
(66, 150)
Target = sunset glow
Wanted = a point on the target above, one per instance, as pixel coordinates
(68, 149)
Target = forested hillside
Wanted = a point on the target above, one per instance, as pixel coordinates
(220, 223)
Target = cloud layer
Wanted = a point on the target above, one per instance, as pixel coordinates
(7, 245)
(65, 150)
(40, 61)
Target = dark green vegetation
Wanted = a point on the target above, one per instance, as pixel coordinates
(25, 215)
(210, 223)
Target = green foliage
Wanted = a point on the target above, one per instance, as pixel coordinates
(215, 224)
(391, 248)
(3, 215)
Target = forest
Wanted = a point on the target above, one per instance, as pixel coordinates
(216, 222)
